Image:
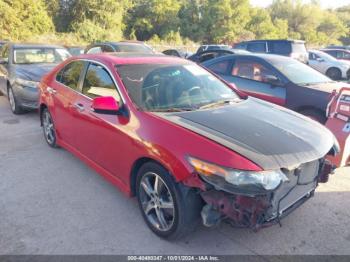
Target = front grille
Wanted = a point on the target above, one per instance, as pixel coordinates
(302, 182)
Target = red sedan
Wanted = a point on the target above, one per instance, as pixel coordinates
(187, 144)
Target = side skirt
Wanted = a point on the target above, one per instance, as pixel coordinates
(100, 170)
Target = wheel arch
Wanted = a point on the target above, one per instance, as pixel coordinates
(136, 167)
(41, 109)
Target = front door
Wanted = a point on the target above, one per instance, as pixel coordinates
(102, 137)
(257, 80)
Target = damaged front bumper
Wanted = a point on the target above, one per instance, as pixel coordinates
(262, 210)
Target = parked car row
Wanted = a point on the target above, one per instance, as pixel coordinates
(184, 138)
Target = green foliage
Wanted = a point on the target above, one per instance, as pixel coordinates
(21, 19)
(152, 17)
(175, 22)
(309, 21)
(262, 26)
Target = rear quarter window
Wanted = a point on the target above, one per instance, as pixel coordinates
(220, 67)
(70, 74)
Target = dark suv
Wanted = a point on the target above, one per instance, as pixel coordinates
(292, 48)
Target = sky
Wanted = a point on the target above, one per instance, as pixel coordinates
(324, 3)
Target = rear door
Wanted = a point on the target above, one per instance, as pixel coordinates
(253, 77)
(63, 94)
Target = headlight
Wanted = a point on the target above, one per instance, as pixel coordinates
(28, 83)
(248, 180)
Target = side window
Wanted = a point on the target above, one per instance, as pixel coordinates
(281, 48)
(312, 56)
(95, 50)
(70, 74)
(5, 53)
(257, 47)
(98, 82)
(346, 55)
(220, 67)
(252, 70)
(107, 48)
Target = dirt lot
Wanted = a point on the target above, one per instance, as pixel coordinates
(51, 203)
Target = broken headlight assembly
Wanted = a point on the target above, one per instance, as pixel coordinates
(238, 181)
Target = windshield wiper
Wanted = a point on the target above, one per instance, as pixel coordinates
(173, 109)
(220, 103)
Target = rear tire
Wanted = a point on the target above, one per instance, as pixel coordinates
(315, 115)
(334, 73)
(15, 107)
(170, 209)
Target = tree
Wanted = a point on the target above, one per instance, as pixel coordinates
(322, 27)
(224, 21)
(262, 26)
(21, 19)
(343, 13)
(152, 17)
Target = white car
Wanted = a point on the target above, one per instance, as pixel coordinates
(328, 65)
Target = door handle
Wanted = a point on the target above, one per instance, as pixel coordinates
(51, 90)
(79, 107)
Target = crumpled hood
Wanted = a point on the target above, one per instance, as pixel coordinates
(33, 72)
(329, 87)
(271, 136)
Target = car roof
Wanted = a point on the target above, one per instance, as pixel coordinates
(315, 51)
(32, 45)
(119, 43)
(275, 40)
(267, 57)
(336, 49)
(120, 58)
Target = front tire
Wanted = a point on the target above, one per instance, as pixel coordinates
(334, 73)
(170, 209)
(15, 107)
(48, 128)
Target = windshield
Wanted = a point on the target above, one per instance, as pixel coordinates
(39, 55)
(161, 87)
(325, 56)
(298, 72)
(134, 48)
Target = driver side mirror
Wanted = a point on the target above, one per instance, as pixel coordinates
(105, 105)
(319, 59)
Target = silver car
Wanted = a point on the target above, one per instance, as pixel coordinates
(21, 68)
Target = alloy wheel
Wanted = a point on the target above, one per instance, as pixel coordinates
(157, 202)
(48, 128)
